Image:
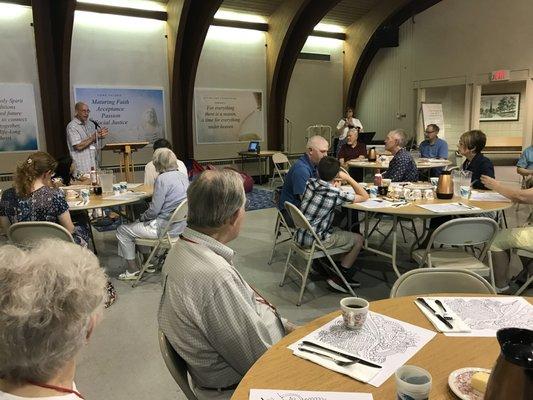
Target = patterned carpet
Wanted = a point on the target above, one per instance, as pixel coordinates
(258, 199)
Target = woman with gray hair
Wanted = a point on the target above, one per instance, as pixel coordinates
(51, 298)
(170, 189)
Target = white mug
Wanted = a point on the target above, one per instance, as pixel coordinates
(354, 312)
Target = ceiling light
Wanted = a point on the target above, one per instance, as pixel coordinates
(236, 16)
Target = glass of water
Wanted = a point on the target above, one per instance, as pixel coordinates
(106, 180)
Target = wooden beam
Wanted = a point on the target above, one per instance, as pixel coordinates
(196, 17)
(366, 36)
(124, 11)
(332, 35)
(19, 2)
(53, 23)
(290, 25)
(257, 26)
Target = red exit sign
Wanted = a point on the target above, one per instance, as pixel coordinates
(500, 75)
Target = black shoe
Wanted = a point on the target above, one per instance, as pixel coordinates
(337, 284)
(320, 269)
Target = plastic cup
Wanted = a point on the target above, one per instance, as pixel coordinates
(465, 191)
(434, 181)
(412, 383)
(106, 181)
(354, 312)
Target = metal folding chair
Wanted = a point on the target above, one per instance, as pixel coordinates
(28, 233)
(279, 160)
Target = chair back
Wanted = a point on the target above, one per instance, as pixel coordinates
(29, 233)
(176, 366)
(300, 221)
(466, 231)
(440, 280)
(179, 215)
(280, 158)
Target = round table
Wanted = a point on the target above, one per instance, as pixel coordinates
(412, 211)
(279, 369)
(101, 201)
(377, 165)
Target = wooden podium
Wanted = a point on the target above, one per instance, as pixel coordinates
(126, 161)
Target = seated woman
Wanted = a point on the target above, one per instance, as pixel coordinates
(520, 238)
(471, 144)
(33, 198)
(50, 302)
(170, 189)
(352, 150)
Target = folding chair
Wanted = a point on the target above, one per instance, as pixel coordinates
(461, 233)
(439, 280)
(279, 160)
(317, 250)
(529, 278)
(164, 241)
(176, 366)
(281, 225)
(28, 233)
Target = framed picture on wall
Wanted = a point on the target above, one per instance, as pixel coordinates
(499, 107)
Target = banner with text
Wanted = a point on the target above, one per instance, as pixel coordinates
(18, 120)
(228, 115)
(131, 114)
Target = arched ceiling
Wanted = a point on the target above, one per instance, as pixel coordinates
(348, 11)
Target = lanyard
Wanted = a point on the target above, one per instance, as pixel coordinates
(260, 299)
(56, 388)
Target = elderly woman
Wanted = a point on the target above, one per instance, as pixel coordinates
(471, 144)
(170, 189)
(33, 197)
(51, 298)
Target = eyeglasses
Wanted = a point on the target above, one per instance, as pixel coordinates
(429, 131)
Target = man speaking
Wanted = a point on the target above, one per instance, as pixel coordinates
(81, 143)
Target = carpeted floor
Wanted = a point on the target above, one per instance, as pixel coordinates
(259, 199)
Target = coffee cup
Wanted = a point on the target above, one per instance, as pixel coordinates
(412, 383)
(354, 312)
(97, 190)
(434, 181)
(383, 190)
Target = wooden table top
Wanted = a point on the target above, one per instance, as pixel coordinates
(145, 191)
(279, 369)
(412, 208)
(378, 165)
(262, 153)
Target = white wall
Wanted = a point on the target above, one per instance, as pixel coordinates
(315, 91)
(453, 43)
(231, 58)
(18, 64)
(110, 50)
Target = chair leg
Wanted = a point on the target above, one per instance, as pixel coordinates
(525, 285)
(145, 265)
(491, 269)
(286, 268)
(304, 280)
(403, 233)
(276, 233)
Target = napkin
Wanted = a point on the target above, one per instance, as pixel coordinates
(458, 324)
(356, 371)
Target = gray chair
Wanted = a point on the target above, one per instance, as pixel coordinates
(317, 250)
(439, 280)
(164, 241)
(279, 229)
(176, 366)
(28, 233)
(459, 235)
(279, 160)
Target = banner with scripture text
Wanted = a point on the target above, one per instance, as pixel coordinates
(132, 114)
(18, 120)
(228, 115)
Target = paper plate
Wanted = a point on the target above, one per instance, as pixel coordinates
(459, 382)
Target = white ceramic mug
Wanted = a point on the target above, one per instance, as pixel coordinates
(354, 312)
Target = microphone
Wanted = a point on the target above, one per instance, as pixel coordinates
(96, 124)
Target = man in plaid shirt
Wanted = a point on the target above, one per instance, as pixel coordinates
(319, 201)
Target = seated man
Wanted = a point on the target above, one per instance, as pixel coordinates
(352, 150)
(524, 166)
(433, 147)
(402, 167)
(507, 239)
(320, 199)
(303, 169)
(150, 172)
(210, 315)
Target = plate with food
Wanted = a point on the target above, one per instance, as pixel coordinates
(469, 383)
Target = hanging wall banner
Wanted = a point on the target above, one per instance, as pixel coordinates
(18, 121)
(228, 115)
(131, 114)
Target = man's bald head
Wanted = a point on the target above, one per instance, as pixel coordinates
(317, 147)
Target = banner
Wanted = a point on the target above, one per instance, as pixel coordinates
(131, 114)
(18, 121)
(228, 115)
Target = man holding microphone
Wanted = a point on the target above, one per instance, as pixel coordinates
(81, 142)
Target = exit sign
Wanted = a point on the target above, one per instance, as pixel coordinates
(500, 75)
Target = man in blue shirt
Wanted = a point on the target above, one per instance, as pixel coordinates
(524, 166)
(303, 169)
(433, 147)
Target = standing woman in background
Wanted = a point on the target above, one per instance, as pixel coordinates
(344, 125)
